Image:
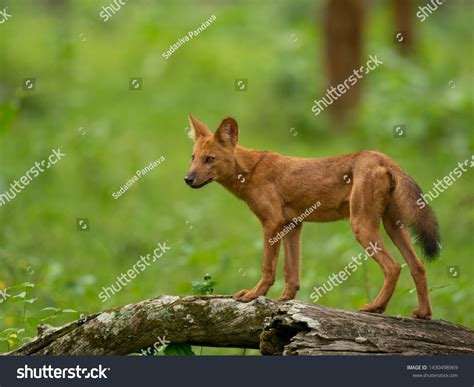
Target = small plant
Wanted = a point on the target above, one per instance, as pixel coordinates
(179, 349)
(20, 298)
(203, 288)
(199, 288)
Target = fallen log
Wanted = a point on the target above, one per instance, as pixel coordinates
(276, 328)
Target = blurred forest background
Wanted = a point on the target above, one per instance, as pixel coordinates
(82, 102)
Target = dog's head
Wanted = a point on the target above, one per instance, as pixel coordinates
(213, 154)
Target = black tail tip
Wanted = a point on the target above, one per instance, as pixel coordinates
(431, 249)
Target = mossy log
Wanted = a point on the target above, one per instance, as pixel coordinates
(276, 328)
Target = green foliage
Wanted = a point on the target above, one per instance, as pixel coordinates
(8, 113)
(19, 300)
(181, 349)
(205, 287)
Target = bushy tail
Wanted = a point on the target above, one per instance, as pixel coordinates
(416, 212)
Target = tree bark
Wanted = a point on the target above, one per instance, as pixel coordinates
(404, 12)
(276, 328)
(343, 31)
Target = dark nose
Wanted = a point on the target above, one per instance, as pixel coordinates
(189, 179)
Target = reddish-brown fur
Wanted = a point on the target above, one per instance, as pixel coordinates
(367, 187)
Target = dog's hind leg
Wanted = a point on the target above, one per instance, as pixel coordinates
(369, 197)
(291, 270)
(400, 237)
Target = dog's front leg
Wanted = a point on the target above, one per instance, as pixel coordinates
(270, 259)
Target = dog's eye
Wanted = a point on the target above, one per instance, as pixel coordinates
(209, 159)
(192, 158)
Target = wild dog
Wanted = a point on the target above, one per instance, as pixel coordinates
(366, 187)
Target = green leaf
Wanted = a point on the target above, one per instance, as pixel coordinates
(68, 311)
(181, 349)
(12, 340)
(203, 288)
(55, 310)
(20, 295)
(21, 286)
(8, 331)
(53, 316)
(435, 287)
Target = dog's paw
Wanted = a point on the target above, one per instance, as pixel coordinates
(284, 298)
(240, 294)
(423, 314)
(289, 292)
(372, 308)
(245, 295)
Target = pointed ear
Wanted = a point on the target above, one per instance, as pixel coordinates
(228, 132)
(198, 129)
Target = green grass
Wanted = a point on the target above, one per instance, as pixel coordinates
(84, 84)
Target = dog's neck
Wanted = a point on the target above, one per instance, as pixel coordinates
(245, 162)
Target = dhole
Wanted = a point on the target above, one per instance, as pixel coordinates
(366, 187)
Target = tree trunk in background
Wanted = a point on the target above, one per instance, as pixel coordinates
(404, 13)
(344, 27)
